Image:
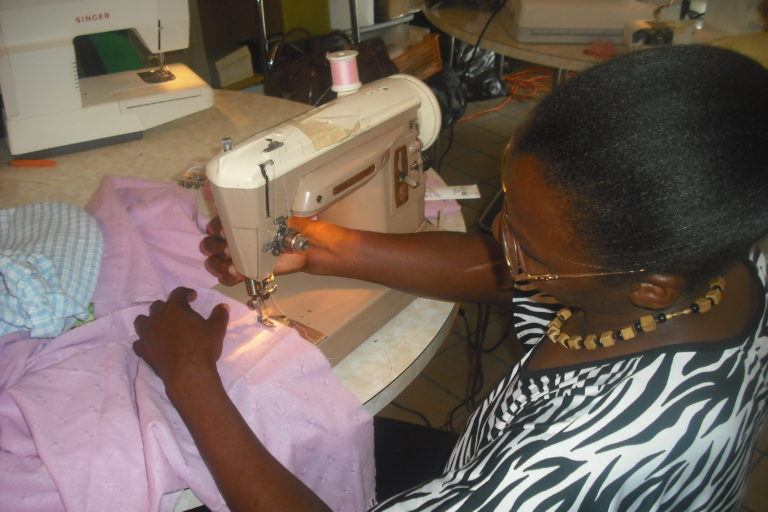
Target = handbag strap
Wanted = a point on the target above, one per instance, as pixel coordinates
(284, 40)
(342, 34)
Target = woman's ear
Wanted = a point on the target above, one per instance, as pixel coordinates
(657, 291)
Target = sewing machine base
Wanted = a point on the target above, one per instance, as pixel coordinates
(82, 146)
(112, 105)
(336, 314)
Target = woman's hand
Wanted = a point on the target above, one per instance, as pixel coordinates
(440, 264)
(176, 341)
(219, 261)
(323, 237)
(183, 347)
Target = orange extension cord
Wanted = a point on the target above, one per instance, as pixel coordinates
(527, 84)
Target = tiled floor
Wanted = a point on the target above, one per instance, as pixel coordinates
(474, 158)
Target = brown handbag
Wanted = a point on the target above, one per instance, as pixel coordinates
(300, 71)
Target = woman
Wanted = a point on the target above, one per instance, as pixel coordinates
(633, 196)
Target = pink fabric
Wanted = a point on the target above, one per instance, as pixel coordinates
(151, 235)
(85, 425)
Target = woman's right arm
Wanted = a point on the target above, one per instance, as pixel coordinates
(438, 264)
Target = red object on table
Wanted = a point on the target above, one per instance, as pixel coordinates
(601, 49)
(32, 163)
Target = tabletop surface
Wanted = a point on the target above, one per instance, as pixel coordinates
(465, 22)
(382, 366)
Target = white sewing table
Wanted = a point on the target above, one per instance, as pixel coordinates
(382, 366)
(465, 22)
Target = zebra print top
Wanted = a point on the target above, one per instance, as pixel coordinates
(670, 429)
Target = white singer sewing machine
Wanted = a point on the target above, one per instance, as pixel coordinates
(45, 104)
(356, 162)
(566, 21)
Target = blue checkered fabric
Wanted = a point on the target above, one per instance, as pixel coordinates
(50, 254)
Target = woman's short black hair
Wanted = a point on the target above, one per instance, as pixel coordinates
(663, 154)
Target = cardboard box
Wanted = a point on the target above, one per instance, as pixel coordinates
(340, 18)
(235, 67)
(392, 9)
(421, 60)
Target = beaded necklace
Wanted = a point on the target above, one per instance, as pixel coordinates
(645, 323)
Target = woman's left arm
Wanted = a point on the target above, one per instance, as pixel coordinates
(182, 347)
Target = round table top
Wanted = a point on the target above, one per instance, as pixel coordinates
(382, 366)
(465, 22)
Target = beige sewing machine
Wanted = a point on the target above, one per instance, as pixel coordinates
(47, 106)
(356, 162)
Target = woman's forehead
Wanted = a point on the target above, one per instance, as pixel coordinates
(536, 209)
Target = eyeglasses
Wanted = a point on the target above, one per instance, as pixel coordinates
(516, 263)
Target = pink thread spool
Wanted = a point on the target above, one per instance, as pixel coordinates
(344, 71)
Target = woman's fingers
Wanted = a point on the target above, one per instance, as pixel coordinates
(214, 228)
(214, 245)
(223, 270)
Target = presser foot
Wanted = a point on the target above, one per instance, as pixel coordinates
(262, 312)
(259, 291)
(157, 75)
(160, 73)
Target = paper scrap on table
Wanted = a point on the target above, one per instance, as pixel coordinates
(455, 192)
(433, 209)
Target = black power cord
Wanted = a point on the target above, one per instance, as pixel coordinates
(476, 341)
(439, 167)
(494, 13)
(499, 5)
(414, 412)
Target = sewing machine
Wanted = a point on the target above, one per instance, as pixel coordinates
(355, 162)
(49, 110)
(729, 17)
(564, 21)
